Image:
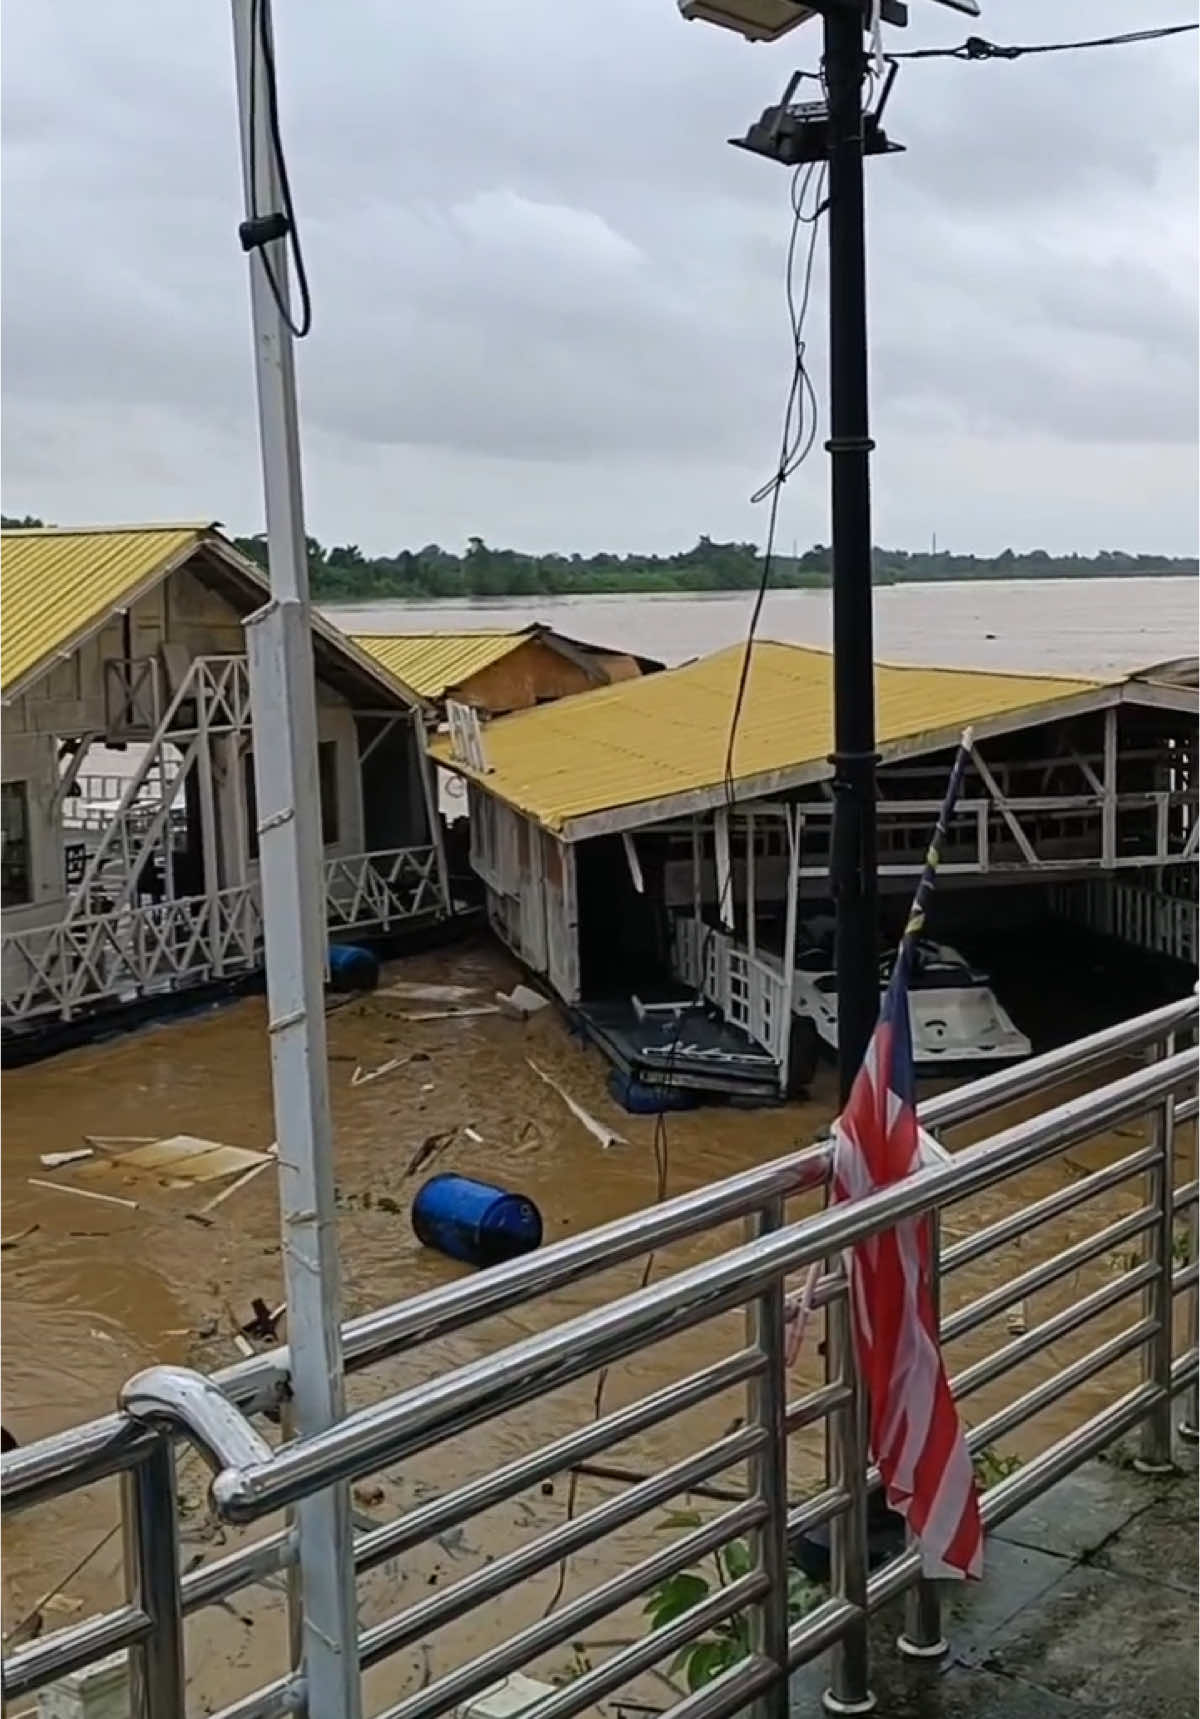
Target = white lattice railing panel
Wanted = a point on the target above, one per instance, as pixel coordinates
(381, 889)
(133, 952)
(63, 969)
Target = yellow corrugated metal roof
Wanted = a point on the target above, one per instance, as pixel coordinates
(57, 585)
(435, 663)
(666, 734)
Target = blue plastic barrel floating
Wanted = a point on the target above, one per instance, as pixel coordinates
(352, 968)
(473, 1221)
(639, 1098)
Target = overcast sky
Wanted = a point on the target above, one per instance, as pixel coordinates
(548, 297)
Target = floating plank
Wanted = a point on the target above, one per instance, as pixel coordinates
(186, 1158)
(604, 1134)
(413, 992)
(82, 1193)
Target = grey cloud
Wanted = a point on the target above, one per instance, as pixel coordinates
(549, 299)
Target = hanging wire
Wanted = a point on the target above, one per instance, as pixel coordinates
(262, 46)
(976, 48)
(799, 419)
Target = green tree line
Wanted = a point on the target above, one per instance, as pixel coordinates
(344, 572)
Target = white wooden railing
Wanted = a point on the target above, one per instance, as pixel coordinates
(63, 969)
(1150, 919)
(66, 968)
(381, 889)
(749, 990)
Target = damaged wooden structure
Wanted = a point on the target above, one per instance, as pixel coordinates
(123, 887)
(500, 671)
(636, 864)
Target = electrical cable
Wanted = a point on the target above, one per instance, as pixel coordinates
(976, 48)
(795, 445)
(262, 44)
(799, 435)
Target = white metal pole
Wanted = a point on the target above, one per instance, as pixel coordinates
(283, 706)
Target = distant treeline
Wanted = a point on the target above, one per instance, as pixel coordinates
(345, 572)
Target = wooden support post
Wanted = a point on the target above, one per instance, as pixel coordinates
(751, 903)
(1108, 838)
(208, 820)
(1002, 806)
(425, 769)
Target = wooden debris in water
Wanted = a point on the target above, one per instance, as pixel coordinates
(362, 1077)
(17, 1236)
(604, 1134)
(82, 1193)
(521, 1002)
(269, 1157)
(186, 1159)
(431, 1147)
(452, 1014)
(56, 1160)
(412, 991)
(1016, 1322)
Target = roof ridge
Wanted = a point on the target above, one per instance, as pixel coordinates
(926, 667)
(447, 633)
(110, 530)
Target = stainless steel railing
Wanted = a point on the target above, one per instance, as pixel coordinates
(252, 1479)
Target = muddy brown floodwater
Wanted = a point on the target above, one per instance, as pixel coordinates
(97, 1291)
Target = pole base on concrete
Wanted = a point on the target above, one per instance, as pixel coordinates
(921, 1650)
(834, 1704)
(1189, 1433)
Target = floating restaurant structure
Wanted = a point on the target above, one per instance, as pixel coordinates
(625, 864)
(121, 888)
(499, 672)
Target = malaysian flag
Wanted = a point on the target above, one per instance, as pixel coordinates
(916, 1437)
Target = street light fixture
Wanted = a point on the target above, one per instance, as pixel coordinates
(767, 20)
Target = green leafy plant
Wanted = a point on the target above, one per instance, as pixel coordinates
(1181, 1245)
(991, 1466)
(716, 1652)
(578, 1665)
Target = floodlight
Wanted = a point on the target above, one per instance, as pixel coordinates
(756, 20)
(768, 20)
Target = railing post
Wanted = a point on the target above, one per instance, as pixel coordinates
(151, 1518)
(1189, 1427)
(1158, 1297)
(768, 1474)
(921, 1637)
(846, 1466)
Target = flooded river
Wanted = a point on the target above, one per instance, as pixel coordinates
(1087, 626)
(93, 1291)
